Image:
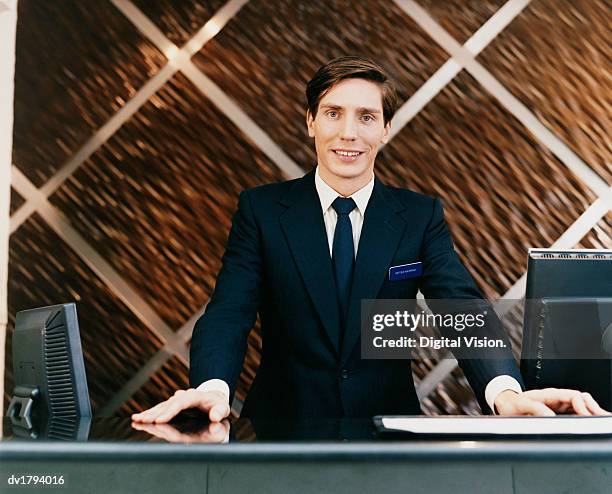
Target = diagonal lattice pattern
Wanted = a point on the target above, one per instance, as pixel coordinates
(556, 58)
(462, 18)
(502, 191)
(161, 194)
(600, 237)
(85, 60)
(179, 21)
(16, 201)
(452, 396)
(172, 376)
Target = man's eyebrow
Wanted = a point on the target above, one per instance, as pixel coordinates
(331, 107)
(368, 110)
(361, 109)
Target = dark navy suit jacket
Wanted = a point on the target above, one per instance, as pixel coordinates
(277, 264)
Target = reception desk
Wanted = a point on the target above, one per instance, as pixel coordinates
(319, 456)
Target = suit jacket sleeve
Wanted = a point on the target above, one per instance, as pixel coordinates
(445, 277)
(219, 339)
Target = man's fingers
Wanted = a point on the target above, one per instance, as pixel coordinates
(152, 414)
(579, 406)
(218, 412)
(182, 400)
(567, 401)
(171, 411)
(146, 415)
(532, 407)
(593, 406)
(561, 400)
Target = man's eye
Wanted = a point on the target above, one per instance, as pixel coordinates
(332, 114)
(367, 118)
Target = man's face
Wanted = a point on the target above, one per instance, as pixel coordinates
(348, 130)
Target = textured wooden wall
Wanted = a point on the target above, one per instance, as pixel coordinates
(139, 184)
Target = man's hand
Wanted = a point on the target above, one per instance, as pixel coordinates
(212, 402)
(215, 432)
(547, 402)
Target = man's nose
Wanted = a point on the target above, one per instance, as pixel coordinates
(349, 129)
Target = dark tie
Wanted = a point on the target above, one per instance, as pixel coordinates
(343, 253)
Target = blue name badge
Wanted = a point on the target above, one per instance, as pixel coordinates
(405, 271)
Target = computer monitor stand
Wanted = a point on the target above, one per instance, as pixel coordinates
(21, 405)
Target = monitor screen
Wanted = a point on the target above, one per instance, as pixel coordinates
(568, 314)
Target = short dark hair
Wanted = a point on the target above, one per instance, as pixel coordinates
(351, 67)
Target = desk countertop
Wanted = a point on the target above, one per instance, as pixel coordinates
(354, 440)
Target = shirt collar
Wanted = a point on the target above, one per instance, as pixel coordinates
(327, 195)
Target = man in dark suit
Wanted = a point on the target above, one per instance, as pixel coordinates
(304, 253)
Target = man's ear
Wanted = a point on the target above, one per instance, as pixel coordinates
(387, 133)
(310, 123)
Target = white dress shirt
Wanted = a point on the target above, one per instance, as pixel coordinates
(327, 195)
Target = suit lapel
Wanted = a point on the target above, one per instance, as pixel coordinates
(304, 228)
(380, 235)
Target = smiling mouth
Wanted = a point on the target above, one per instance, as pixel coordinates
(347, 155)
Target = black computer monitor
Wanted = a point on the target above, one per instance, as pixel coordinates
(567, 335)
(48, 366)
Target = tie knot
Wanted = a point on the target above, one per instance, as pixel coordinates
(343, 205)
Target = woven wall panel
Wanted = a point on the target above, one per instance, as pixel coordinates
(171, 376)
(157, 199)
(461, 18)
(600, 237)
(16, 201)
(556, 58)
(266, 54)
(43, 270)
(452, 396)
(76, 64)
(502, 191)
(179, 21)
